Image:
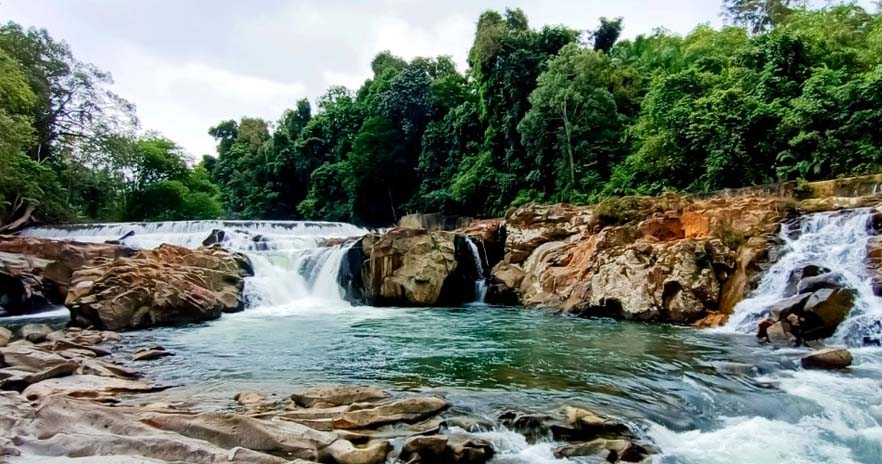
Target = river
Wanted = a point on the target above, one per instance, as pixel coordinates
(701, 396)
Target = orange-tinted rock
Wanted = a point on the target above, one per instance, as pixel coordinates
(741, 282)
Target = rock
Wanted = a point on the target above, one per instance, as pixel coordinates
(409, 267)
(151, 354)
(34, 333)
(813, 284)
(491, 234)
(425, 450)
(30, 358)
(22, 287)
(832, 306)
(250, 398)
(273, 437)
(86, 386)
(780, 333)
(337, 396)
(93, 433)
(166, 286)
(828, 358)
(532, 225)
(216, 237)
(407, 410)
(675, 281)
(468, 450)
(591, 424)
(781, 309)
(5, 336)
(748, 259)
(617, 450)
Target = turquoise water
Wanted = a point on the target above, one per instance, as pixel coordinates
(676, 386)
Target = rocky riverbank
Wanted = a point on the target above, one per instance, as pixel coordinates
(72, 395)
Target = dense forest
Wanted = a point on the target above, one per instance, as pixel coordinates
(555, 114)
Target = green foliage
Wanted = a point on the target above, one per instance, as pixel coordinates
(796, 94)
(620, 210)
(731, 237)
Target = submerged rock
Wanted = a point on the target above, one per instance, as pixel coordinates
(828, 358)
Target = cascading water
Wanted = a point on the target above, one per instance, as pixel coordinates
(836, 241)
(480, 281)
(289, 265)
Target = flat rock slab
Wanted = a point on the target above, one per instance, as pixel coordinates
(87, 386)
(337, 396)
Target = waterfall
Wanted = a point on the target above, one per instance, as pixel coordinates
(480, 281)
(289, 263)
(836, 241)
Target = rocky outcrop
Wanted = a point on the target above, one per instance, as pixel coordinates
(169, 285)
(661, 259)
(819, 303)
(411, 267)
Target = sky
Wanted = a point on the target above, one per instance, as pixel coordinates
(189, 64)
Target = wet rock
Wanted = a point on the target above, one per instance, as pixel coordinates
(415, 267)
(616, 450)
(589, 422)
(337, 396)
(27, 356)
(425, 450)
(150, 354)
(407, 410)
(783, 308)
(5, 336)
(796, 276)
(748, 266)
(34, 333)
(216, 237)
(780, 333)
(832, 306)
(250, 398)
(829, 280)
(828, 358)
(469, 450)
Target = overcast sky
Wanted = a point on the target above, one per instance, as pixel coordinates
(187, 65)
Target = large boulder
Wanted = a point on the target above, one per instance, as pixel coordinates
(416, 267)
(167, 286)
(22, 286)
(676, 281)
(832, 306)
(62, 257)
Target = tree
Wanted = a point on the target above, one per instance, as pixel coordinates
(73, 104)
(759, 15)
(607, 34)
(574, 125)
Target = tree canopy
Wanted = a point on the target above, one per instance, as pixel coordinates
(557, 113)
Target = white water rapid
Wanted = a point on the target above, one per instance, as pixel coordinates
(289, 265)
(836, 241)
(825, 417)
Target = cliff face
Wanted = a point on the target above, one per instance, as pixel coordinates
(652, 259)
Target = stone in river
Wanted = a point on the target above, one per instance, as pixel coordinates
(828, 358)
(34, 333)
(151, 354)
